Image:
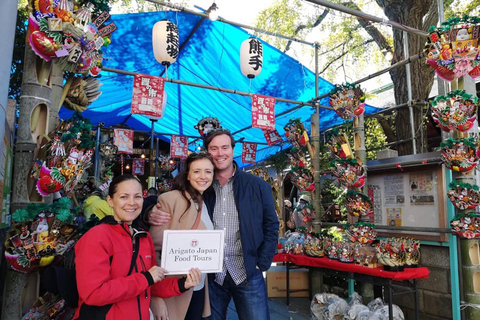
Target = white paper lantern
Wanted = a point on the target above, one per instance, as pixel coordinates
(165, 42)
(251, 57)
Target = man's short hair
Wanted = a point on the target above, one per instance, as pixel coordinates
(218, 132)
(152, 191)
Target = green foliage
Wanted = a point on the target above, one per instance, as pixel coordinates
(16, 72)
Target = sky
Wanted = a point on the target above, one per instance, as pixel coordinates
(243, 11)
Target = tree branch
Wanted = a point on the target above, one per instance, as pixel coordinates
(370, 28)
(319, 20)
(343, 54)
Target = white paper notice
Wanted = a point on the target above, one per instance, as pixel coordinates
(186, 249)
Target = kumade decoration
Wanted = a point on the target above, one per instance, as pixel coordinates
(357, 204)
(459, 155)
(451, 49)
(347, 100)
(455, 111)
(463, 195)
(70, 38)
(466, 225)
(349, 172)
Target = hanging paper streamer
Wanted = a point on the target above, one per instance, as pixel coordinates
(347, 100)
(272, 137)
(455, 111)
(123, 139)
(138, 166)
(263, 112)
(148, 96)
(451, 49)
(460, 155)
(178, 147)
(249, 152)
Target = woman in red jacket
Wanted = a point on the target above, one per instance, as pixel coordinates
(115, 263)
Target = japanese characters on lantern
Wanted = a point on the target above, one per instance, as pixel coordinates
(165, 42)
(251, 58)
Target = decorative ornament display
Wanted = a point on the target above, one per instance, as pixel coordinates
(313, 246)
(81, 92)
(460, 155)
(349, 172)
(165, 185)
(357, 204)
(302, 178)
(361, 232)
(207, 124)
(108, 149)
(451, 49)
(338, 145)
(296, 133)
(466, 225)
(412, 249)
(165, 41)
(391, 253)
(40, 236)
(166, 163)
(72, 40)
(251, 57)
(463, 195)
(455, 111)
(348, 100)
(64, 168)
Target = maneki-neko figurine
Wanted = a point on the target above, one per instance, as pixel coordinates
(349, 172)
(357, 204)
(455, 111)
(460, 155)
(463, 195)
(347, 100)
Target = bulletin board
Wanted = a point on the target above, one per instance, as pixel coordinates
(413, 197)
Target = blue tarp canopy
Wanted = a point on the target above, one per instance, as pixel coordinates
(210, 55)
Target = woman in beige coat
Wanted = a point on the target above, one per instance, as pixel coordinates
(187, 211)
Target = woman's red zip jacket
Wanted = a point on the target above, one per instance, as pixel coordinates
(102, 258)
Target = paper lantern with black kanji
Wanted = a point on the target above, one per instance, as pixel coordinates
(165, 41)
(251, 57)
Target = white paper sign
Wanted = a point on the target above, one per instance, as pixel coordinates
(186, 249)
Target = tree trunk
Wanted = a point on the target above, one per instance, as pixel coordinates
(410, 13)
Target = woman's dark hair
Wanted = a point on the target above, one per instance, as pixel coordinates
(218, 132)
(181, 182)
(113, 185)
